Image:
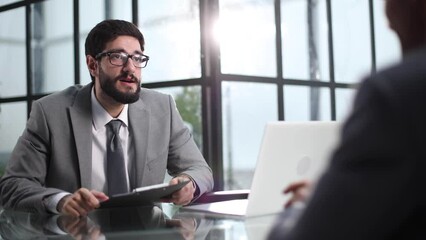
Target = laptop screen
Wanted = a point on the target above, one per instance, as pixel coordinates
(289, 151)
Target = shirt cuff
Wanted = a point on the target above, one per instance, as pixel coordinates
(52, 225)
(51, 202)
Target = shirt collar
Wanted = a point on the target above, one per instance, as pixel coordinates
(100, 117)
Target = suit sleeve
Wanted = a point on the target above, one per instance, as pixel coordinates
(184, 156)
(369, 190)
(22, 185)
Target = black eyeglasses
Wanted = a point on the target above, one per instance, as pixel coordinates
(121, 58)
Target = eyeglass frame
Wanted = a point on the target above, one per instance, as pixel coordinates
(108, 53)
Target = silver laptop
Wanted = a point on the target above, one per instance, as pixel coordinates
(290, 151)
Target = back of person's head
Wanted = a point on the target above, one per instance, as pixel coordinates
(408, 19)
(107, 31)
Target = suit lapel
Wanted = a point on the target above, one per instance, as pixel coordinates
(139, 126)
(81, 120)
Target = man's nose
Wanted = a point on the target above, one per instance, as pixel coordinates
(129, 66)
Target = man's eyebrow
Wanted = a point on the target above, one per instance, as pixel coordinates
(122, 50)
(116, 50)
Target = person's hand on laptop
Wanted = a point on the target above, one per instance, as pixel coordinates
(300, 191)
(185, 195)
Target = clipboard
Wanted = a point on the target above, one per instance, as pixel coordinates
(143, 196)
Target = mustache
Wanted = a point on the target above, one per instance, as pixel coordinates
(126, 76)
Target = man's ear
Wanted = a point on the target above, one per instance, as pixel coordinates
(92, 65)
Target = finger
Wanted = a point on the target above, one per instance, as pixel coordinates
(180, 200)
(186, 234)
(180, 178)
(296, 185)
(89, 201)
(292, 186)
(77, 228)
(99, 195)
(68, 210)
(289, 203)
(176, 199)
(174, 181)
(76, 206)
(95, 233)
(82, 198)
(187, 189)
(183, 196)
(71, 225)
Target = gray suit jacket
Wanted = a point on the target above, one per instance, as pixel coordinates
(54, 152)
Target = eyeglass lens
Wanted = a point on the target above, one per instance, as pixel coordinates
(120, 59)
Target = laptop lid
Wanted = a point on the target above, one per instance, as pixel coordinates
(290, 151)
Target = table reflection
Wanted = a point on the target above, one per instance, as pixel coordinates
(147, 222)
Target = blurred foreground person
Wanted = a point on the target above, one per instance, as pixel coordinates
(372, 188)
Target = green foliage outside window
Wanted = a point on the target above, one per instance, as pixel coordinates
(189, 104)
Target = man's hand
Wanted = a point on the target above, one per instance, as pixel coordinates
(186, 226)
(81, 202)
(300, 191)
(185, 194)
(80, 227)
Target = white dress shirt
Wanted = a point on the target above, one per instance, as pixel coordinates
(100, 117)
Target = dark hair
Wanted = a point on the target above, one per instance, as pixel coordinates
(107, 31)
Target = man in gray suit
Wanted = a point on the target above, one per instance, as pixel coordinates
(372, 188)
(59, 164)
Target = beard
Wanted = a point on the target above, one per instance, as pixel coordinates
(107, 84)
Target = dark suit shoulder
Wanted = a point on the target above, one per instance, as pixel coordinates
(402, 85)
(409, 76)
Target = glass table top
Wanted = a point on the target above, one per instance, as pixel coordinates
(165, 221)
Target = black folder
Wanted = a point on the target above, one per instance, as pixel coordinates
(146, 196)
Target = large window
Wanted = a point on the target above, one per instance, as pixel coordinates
(231, 65)
(51, 46)
(172, 32)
